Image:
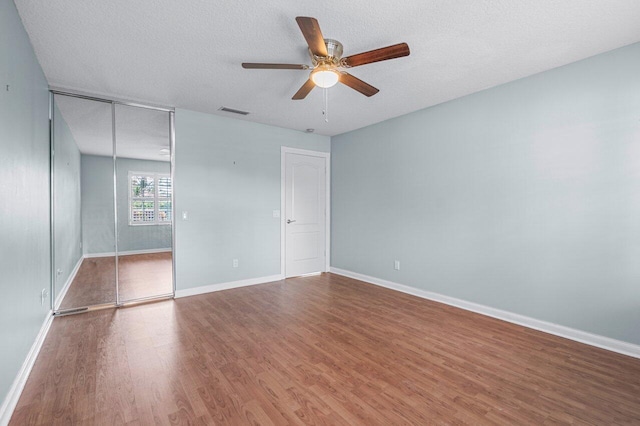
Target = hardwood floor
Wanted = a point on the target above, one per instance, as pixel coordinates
(140, 275)
(318, 350)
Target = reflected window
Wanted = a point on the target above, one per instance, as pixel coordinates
(149, 199)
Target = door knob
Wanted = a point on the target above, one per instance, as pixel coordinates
(290, 221)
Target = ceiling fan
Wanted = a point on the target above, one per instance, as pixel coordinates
(327, 60)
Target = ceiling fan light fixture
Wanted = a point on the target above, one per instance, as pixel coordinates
(325, 78)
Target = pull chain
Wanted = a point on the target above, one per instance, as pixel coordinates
(325, 112)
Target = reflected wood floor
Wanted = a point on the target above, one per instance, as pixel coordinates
(140, 275)
(318, 350)
(145, 275)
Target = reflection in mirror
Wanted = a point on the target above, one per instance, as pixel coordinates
(83, 206)
(144, 189)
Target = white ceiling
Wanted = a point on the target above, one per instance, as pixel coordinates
(140, 133)
(187, 53)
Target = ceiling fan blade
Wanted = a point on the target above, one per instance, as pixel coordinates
(304, 90)
(311, 32)
(251, 65)
(357, 84)
(382, 54)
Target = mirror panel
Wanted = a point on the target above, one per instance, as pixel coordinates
(83, 206)
(144, 200)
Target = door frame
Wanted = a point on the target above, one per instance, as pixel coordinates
(327, 232)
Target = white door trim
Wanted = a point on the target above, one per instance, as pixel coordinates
(327, 156)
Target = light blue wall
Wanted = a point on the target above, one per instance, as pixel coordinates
(98, 224)
(227, 177)
(524, 197)
(97, 207)
(24, 195)
(67, 203)
(131, 238)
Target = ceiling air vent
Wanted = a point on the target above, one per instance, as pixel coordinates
(234, 111)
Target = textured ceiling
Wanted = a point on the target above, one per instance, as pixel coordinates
(140, 133)
(187, 53)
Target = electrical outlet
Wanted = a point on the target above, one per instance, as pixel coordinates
(43, 296)
(185, 215)
(276, 213)
(396, 265)
(235, 263)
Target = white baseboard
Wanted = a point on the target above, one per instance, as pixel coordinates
(67, 284)
(226, 286)
(125, 253)
(11, 400)
(603, 342)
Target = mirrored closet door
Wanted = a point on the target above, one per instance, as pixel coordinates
(112, 203)
(83, 203)
(144, 188)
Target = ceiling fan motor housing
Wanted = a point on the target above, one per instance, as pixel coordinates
(334, 53)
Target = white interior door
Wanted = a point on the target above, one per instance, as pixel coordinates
(305, 214)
